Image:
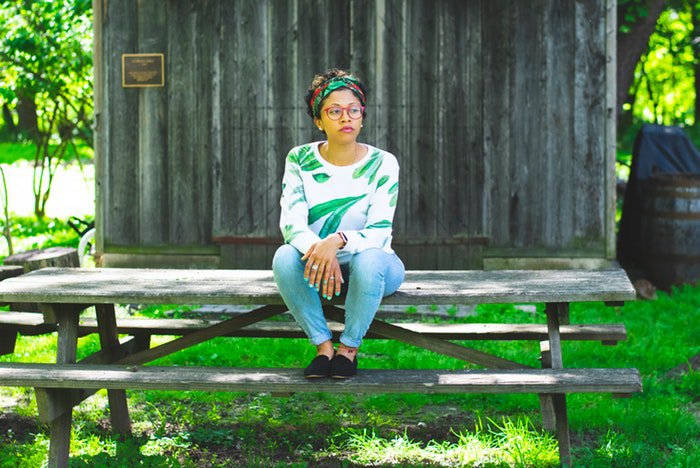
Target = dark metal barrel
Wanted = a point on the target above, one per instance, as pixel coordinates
(671, 229)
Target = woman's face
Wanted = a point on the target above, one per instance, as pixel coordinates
(343, 105)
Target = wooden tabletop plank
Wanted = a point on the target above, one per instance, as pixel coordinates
(160, 286)
(292, 380)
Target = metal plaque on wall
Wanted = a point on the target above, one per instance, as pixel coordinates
(143, 70)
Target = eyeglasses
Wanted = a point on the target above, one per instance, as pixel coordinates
(354, 111)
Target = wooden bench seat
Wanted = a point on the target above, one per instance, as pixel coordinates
(30, 324)
(617, 381)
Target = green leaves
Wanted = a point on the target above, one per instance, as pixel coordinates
(305, 158)
(385, 223)
(394, 189)
(370, 168)
(299, 193)
(321, 177)
(321, 210)
(289, 234)
(336, 208)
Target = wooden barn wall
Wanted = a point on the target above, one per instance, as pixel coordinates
(496, 110)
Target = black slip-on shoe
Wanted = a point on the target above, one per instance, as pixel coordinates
(320, 367)
(342, 367)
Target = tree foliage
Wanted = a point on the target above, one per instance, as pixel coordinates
(46, 80)
(664, 84)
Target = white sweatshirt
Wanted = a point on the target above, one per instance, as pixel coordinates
(320, 199)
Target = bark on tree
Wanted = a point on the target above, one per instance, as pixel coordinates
(26, 113)
(8, 119)
(631, 46)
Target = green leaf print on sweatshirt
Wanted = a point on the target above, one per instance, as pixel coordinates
(322, 209)
(395, 190)
(370, 168)
(305, 158)
(321, 177)
(336, 209)
(288, 234)
(383, 180)
(299, 193)
(384, 223)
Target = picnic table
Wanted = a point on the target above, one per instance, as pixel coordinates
(64, 293)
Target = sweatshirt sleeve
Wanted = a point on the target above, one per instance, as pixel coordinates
(295, 211)
(380, 215)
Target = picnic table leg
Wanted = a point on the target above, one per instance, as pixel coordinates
(546, 402)
(7, 342)
(109, 339)
(59, 447)
(554, 311)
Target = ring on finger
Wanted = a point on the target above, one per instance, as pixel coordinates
(314, 267)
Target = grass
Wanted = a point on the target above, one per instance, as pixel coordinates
(657, 428)
(13, 152)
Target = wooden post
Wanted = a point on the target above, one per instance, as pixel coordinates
(553, 311)
(7, 342)
(59, 447)
(109, 341)
(546, 403)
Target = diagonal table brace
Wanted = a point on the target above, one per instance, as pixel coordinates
(201, 336)
(437, 345)
(142, 356)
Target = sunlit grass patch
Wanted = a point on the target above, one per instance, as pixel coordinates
(509, 443)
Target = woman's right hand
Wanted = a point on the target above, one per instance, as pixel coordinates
(322, 268)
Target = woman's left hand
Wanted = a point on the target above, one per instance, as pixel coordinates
(322, 263)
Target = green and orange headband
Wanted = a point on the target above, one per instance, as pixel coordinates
(337, 82)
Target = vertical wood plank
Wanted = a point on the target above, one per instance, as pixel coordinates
(120, 199)
(101, 122)
(610, 140)
(497, 75)
(285, 103)
(589, 126)
(153, 209)
(109, 340)
(557, 192)
(182, 104)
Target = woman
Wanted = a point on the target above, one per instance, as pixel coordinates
(338, 202)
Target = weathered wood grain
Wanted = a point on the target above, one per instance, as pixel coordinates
(491, 107)
(27, 323)
(153, 189)
(201, 336)
(153, 286)
(430, 343)
(367, 380)
(109, 341)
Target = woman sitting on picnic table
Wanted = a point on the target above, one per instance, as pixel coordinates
(338, 202)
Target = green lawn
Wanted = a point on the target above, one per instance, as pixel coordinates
(657, 428)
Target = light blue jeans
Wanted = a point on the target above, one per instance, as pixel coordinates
(369, 276)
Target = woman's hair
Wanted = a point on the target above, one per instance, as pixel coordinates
(322, 80)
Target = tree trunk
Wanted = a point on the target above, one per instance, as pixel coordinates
(26, 113)
(631, 46)
(9, 120)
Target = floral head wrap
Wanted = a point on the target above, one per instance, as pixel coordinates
(335, 83)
